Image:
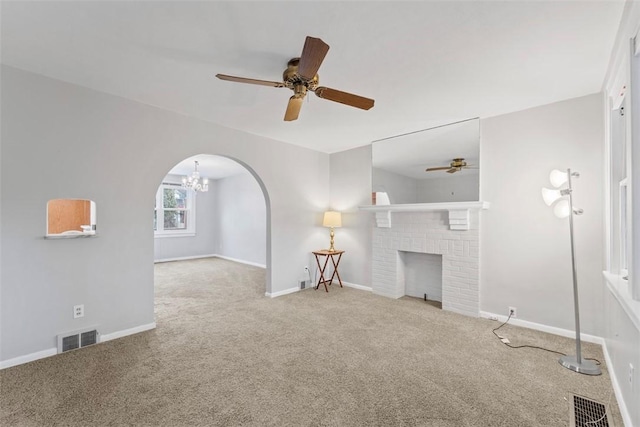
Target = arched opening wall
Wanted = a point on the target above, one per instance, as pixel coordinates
(227, 216)
(115, 151)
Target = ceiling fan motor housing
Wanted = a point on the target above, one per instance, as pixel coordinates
(295, 81)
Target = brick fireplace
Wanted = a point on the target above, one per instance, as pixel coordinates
(450, 230)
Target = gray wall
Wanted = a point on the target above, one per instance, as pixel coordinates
(88, 144)
(452, 188)
(240, 219)
(350, 182)
(525, 254)
(203, 243)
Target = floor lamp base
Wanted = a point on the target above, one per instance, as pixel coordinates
(586, 367)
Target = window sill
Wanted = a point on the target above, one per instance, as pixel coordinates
(620, 289)
(176, 234)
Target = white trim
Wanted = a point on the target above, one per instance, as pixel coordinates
(387, 295)
(425, 207)
(355, 286)
(624, 411)
(185, 258)
(543, 328)
(54, 351)
(126, 332)
(621, 291)
(28, 358)
(281, 293)
(173, 234)
(241, 261)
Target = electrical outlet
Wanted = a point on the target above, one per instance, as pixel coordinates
(78, 311)
(631, 375)
(513, 312)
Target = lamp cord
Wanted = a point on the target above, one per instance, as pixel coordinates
(533, 346)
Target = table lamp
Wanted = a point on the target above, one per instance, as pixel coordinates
(332, 219)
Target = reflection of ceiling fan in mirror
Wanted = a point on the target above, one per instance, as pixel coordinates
(301, 75)
(455, 166)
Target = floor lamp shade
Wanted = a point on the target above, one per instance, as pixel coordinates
(332, 219)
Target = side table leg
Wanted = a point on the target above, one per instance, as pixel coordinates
(335, 269)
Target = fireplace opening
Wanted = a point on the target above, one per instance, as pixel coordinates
(422, 276)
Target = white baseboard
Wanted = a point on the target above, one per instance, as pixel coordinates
(241, 261)
(624, 411)
(28, 358)
(543, 328)
(184, 258)
(53, 351)
(280, 293)
(126, 332)
(356, 286)
(382, 294)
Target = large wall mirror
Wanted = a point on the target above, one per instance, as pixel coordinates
(434, 165)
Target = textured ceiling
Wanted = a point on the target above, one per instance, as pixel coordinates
(424, 63)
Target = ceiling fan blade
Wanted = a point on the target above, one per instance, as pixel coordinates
(438, 169)
(313, 54)
(293, 108)
(250, 81)
(344, 98)
(453, 170)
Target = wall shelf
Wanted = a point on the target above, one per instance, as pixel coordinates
(69, 236)
(458, 212)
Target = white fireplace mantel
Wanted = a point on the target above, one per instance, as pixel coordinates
(458, 212)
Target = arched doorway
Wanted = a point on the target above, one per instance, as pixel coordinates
(213, 206)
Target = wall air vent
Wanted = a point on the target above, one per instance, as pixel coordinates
(70, 343)
(88, 338)
(78, 339)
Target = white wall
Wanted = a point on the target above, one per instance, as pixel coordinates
(525, 257)
(204, 242)
(350, 176)
(85, 144)
(451, 188)
(240, 219)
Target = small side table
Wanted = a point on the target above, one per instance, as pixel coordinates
(328, 255)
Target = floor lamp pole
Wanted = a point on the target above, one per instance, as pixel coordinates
(576, 363)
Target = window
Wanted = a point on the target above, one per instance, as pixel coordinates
(174, 213)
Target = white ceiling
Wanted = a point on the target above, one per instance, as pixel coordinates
(209, 166)
(424, 63)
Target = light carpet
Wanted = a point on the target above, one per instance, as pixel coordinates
(223, 355)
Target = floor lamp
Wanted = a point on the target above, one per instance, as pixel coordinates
(564, 208)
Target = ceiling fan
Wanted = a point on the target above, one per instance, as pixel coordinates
(455, 166)
(301, 76)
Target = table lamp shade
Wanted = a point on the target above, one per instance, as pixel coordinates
(332, 219)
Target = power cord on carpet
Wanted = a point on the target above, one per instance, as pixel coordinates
(508, 344)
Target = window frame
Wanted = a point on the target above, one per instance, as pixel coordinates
(190, 209)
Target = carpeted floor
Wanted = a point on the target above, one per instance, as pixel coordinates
(223, 355)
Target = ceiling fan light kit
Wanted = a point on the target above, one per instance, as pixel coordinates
(301, 75)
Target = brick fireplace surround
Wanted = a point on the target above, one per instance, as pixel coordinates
(450, 230)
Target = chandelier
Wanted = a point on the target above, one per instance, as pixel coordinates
(193, 181)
